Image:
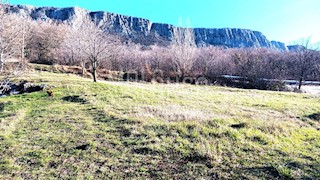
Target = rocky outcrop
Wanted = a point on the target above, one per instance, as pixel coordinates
(20, 88)
(279, 45)
(145, 32)
(295, 48)
(232, 38)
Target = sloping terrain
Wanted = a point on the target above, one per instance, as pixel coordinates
(121, 129)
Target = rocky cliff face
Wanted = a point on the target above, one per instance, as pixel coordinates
(145, 32)
(279, 45)
(232, 38)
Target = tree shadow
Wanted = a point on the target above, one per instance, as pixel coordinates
(121, 126)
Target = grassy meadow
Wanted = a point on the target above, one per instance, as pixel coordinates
(164, 131)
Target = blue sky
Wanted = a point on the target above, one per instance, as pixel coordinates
(282, 20)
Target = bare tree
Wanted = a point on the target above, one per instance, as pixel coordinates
(306, 59)
(183, 49)
(72, 48)
(96, 46)
(317, 66)
(246, 63)
(45, 43)
(161, 59)
(75, 41)
(212, 62)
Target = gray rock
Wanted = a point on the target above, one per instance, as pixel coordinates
(279, 45)
(231, 38)
(145, 32)
(295, 48)
(20, 88)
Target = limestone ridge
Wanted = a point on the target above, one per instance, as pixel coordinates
(145, 32)
(279, 45)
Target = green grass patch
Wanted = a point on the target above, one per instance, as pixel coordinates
(140, 130)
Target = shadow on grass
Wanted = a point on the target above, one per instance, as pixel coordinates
(314, 116)
(1, 107)
(9, 109)
(118, 124)
(132, 141)
(265, 171)
(271, 172)
(75, 99)
(239, 126)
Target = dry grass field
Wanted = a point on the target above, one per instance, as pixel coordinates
(142, 130)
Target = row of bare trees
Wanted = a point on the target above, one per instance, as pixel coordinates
(216, 61)
(83, 42)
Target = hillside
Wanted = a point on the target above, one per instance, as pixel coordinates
(121, 129)
(146, 32)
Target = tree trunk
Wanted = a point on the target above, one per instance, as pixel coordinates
(82, 68)
(182, 76)
(94, 71)
(1, 63)
(94, 74)
(300, 82)
(301, 79)
(1, 66)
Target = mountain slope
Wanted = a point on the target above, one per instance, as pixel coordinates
(145, 32)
